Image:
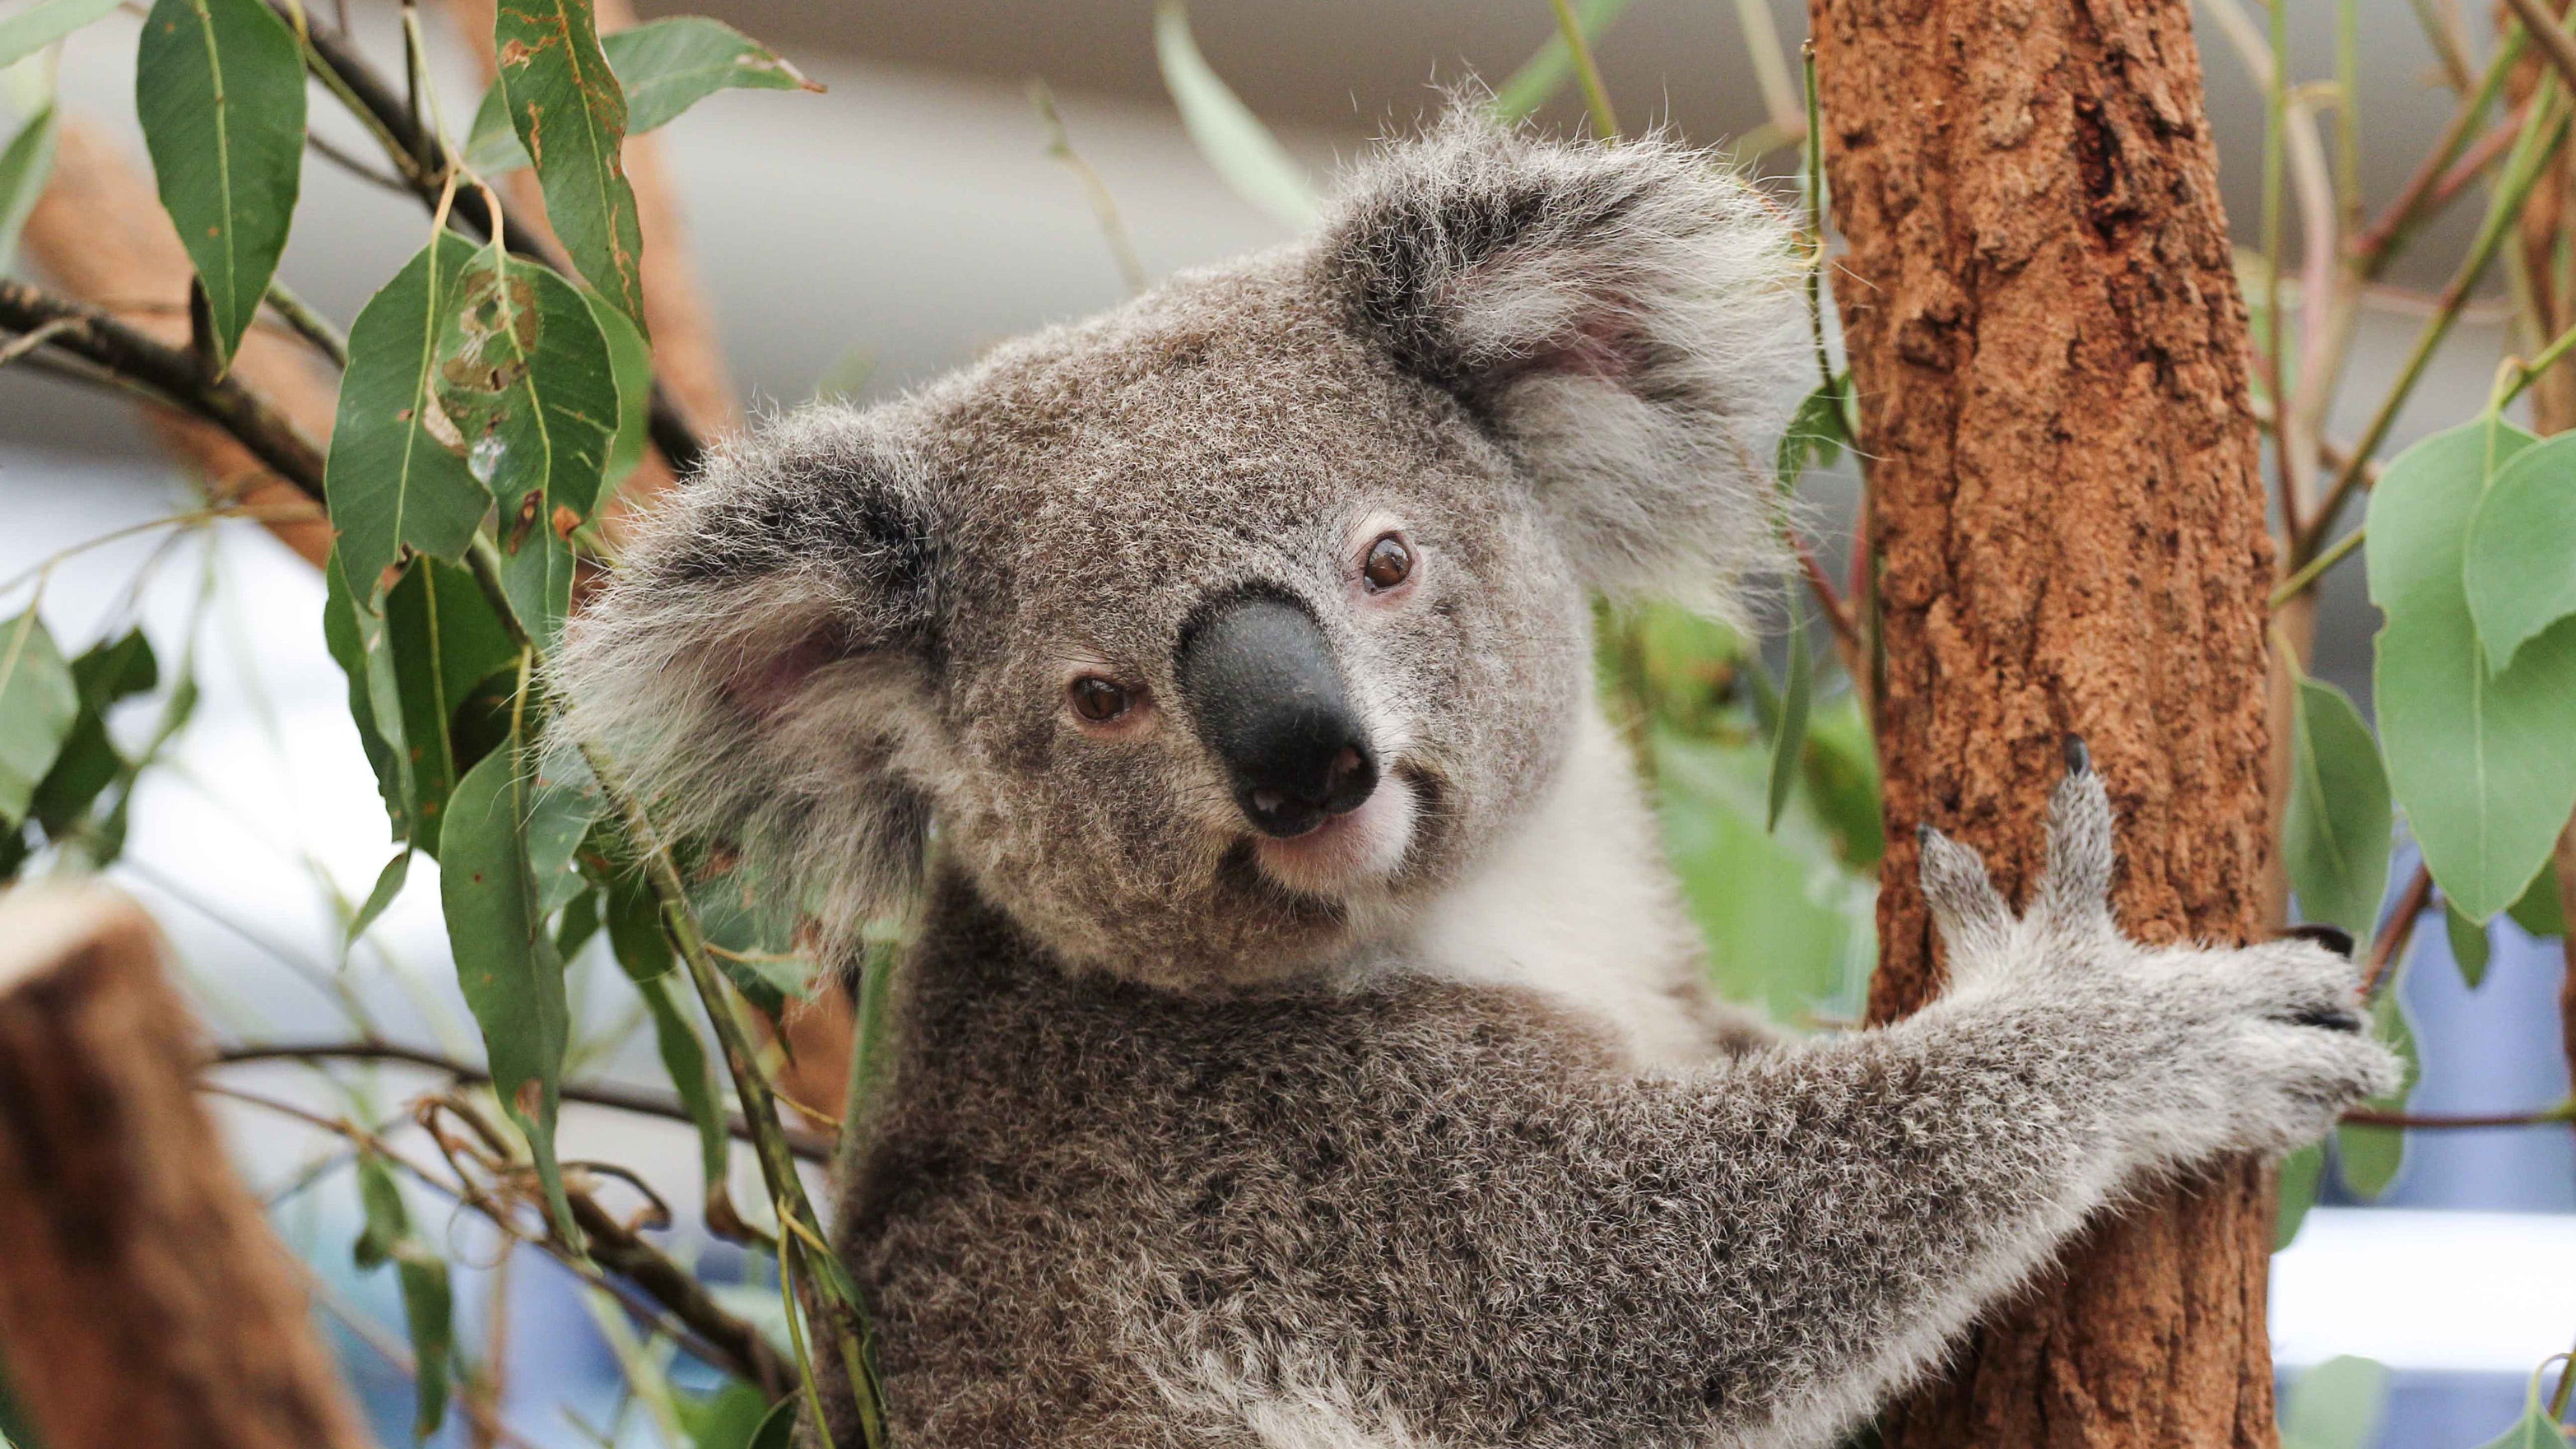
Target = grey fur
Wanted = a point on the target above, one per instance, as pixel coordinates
(1175, 1154)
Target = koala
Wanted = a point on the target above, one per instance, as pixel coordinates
(1300, 1042)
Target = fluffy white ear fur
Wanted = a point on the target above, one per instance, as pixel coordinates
(1626, 319)
(760, 666)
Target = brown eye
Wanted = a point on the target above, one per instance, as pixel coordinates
(1098, 700)
(1389, 563)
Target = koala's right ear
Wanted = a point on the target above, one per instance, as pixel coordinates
(1624, 319)
(762, 662)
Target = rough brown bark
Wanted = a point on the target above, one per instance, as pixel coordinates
(2050, 353)
(143, 1299)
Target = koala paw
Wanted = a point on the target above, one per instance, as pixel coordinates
(2207, 1050)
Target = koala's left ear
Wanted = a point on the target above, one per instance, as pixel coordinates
(763, 664)
(1625, 319)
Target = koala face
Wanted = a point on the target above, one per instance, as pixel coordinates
(1215, 636)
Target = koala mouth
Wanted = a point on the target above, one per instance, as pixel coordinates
(1356, 851)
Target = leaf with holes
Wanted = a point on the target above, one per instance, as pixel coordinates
(666, 67)
(2336, 837)
(2520, 564)
(570, 115)
(39, 704)
(527, 376)
(505, 961)
(2484, 763)
(1244, 153)
(219, 87)
(396, 477)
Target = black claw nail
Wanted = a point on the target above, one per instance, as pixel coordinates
(2079, 760)
(1923, 833)
(2329, 1018)
(2333, 938)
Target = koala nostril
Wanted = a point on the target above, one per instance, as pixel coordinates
(1267, 800)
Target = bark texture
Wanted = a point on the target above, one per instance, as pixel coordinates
(2050, 353)
(143, 1299)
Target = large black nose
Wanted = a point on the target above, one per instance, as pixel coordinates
(1261, 685)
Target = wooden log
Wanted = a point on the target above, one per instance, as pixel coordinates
(143, 1299)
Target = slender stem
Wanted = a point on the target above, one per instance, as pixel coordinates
(2447, 44)
(2439, 1121)
(2376, 247)
(2276, 138)
(2315, 568)
(1596, 97)
(2543, 131)
(2392, 938)
(2527, 373)
(642, 1101)
(1762, 47)
(2555, 44)
(310, 325)
(1104, 207)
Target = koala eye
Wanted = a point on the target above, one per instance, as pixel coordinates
(1388, 564)
(1098, 700)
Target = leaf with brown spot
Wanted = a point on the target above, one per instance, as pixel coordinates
(569, 111)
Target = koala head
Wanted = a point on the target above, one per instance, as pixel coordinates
(1213, 637)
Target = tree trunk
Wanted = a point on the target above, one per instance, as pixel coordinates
(143, 1299)
(2050, 355)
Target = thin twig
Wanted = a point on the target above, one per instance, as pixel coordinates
(308, 324)
(2391, 941)
(1104, 207)
(356, 166)
(2439, 1121)
(2555, 44)
(643, 1101)
(1596, 97)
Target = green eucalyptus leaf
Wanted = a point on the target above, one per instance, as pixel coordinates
(666, 67)
(644, 953)
(2520, 566)
(2335, 1405)
(397, 477)
(441, 640)
(389, 884)
(505, 961)
(89, 762)
(39, 705)
(2336, 837)
(2368, 1158)
(2534, 1430)
(564, 806)
(630, 365)
(25, 166)
(2484, 763)
(1545, 73)
(219, 86)
(1249, 159)
(570, 115)
(2302, 1174)
(37, 26)
(1789, 739)
(2539, 909)
(2469, 946)
(526, 375)
(428, 1303)
(1816, 433)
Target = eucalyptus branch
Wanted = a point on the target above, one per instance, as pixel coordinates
(1596, 97)
(642, 1101)
(426, 161)
(170, 375)
(2434, 181)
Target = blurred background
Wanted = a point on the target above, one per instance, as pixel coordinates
(859, 241)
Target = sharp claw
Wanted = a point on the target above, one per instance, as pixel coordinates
(1923, 832)
(2079, 760)
(2333, 938)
